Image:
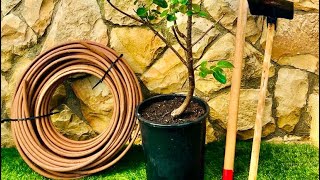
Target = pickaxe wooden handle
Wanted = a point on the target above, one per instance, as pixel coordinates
(234, 92)
(261, 104)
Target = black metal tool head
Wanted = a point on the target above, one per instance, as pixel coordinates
(272, 8)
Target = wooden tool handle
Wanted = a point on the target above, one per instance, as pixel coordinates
(261, 103)
(234, 93)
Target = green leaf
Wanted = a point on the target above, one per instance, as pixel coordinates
(203, 69)
(174, 10)
(202, 14)
(151, 17)
(225, 64)
(219, 75)
(204, 64)
(161, 3)
(171, 17)
(183, 9)
(173, 2)
(184, 2)
(155, 11)
(202, 74)
(164, 13)
(189, 13)
(196, 8)
(142, 12)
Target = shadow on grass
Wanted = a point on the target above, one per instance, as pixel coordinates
(277, 162)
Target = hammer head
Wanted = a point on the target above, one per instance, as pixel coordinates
(272, 8)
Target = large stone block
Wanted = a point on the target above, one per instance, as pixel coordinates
(247, 112)
(306, 5)
(16, 36)
(6, 136)
(125, 5)
(200, 26)
(96, 104)
(313, 110)
(138, 45)
(8, 5)
(224, 49)
(167, 75)
(291, 95)
(4, 88)
(299, 36)
(71, 126)
(17, 70)
(38, 13)
(76, 20)
(228, 9)
(307, 62)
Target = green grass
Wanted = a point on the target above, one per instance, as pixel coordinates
(277, 162)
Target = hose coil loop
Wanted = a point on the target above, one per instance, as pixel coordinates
(41, 146)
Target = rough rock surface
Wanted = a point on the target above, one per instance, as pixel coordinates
(247, 112)
(6, 58)
(6, 135)
(31, 26)
(71, 126)
(38, 13)
(228, 9)
(58, 97)
(291, 95)
(15, 35)
(8, 5)
(19, 67)
(306, 5)
(298, 36)
(96, 104)
(76, 20)
(139, 52)
(306, 62)
(224, 49)
(125, 5)
(167, 75)
(4, 88)
(200, 26)
(210, 137)
(313, 110)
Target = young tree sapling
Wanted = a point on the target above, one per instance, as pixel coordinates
(168, 9)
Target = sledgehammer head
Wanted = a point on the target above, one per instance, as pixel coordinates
(272, 8)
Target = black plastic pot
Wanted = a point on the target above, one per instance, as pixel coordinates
(173, 151)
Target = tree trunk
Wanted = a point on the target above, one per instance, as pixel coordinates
(189, 57)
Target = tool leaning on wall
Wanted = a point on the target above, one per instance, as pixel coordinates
(235, 92)
(272, 9)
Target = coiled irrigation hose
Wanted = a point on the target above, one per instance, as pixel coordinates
(41, 146)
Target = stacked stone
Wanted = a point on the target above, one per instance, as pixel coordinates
(30, 27)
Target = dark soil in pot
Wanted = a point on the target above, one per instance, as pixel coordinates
(173, 147)
(160, 112)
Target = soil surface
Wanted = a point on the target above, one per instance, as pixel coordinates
(160, 112)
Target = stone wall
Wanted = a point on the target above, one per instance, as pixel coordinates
(28, 27)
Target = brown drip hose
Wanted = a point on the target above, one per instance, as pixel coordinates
(41, 146)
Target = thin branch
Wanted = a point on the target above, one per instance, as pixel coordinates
(178, 31)
(151, 28)
(212, 40)
(132, 17)
(168, 44)
(176, 36)
(204, 34)
(216, 60)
